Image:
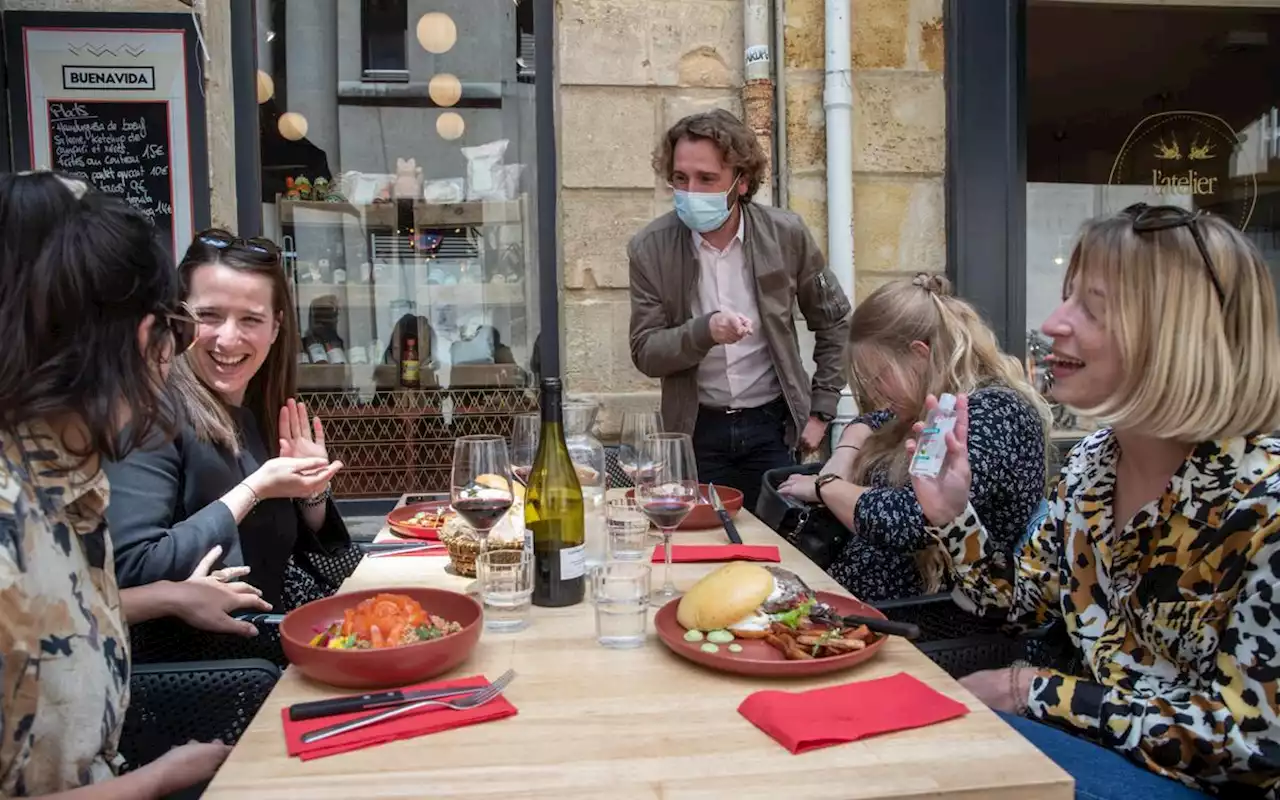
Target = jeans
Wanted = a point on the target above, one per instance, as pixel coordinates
(736, 448)
(1100, 774)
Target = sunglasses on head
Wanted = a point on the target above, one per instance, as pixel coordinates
(224, 240)
(1162, 218)
(184, 327)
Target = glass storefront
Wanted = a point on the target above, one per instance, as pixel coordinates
(1160, 104)
(398, 158)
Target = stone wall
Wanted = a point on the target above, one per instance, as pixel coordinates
(628, 70)
(899, 134)
(215, 16)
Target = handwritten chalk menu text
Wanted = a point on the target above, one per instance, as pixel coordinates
(122, 148)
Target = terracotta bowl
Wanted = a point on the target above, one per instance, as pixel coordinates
(392, 666)
(703, 516)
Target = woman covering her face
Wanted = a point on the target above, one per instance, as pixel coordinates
(1161, 551)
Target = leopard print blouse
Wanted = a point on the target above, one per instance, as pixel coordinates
(1176, 614)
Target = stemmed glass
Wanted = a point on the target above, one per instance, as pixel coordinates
(636, 426)
(667, 490)
(480, 488)
(524, 445)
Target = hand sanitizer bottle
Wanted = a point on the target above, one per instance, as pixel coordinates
(931, 449)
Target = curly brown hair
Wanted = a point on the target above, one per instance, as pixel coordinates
(738, 146)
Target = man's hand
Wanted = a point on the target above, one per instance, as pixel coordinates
(812, 435)
(729, 328)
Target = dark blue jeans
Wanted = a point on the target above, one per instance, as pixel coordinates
(1100, 774)
(736, 448)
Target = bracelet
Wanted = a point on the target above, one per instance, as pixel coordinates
(823, 480)
(314, 500)
(1020, 700)
(847, 447)
(252, 494)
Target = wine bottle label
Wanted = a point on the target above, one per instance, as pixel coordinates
(336, 355)
(528, 542)
(409, 370)
(316, 351)
(358, 355)
(573, 562)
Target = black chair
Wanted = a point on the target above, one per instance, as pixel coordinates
(172, 704)
(618, 478)
(956, 640)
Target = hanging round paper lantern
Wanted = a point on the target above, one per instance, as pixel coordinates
(292, 125)
(266, 87)
(450, 125)
(437, 32)
(445, 90)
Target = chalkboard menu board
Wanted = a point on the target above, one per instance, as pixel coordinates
(116, 99)
(121, 147)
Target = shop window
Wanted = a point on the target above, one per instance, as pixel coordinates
(384, 28)
(408, 219)
(1164, 105)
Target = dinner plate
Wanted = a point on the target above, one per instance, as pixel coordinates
(760, 659)
(398, 520)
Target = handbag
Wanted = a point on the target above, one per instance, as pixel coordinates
(811, 529)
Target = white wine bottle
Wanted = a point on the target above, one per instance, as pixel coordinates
(553, 510)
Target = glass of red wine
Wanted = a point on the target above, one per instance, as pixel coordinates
(666, 491)
(480, 489)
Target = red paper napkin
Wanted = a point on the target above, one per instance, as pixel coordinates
(802, 721)
(428, 720)
(691, 553)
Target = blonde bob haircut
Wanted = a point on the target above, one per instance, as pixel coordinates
(1196, 367)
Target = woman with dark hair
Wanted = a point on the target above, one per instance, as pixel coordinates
(248, 470)
(90, 317)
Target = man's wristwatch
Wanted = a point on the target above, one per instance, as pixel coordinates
(822, 416)
(823, 480)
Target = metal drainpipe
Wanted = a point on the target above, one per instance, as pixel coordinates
(757, 89)
(780, 171)
(837, 101)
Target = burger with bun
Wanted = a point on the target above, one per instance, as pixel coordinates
(742, 598)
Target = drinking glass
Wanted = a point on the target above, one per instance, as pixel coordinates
(628, 529)
(620, 594)
(524, 445)
(667, 490)
(506, 588)
(481, 483)
(636, 425)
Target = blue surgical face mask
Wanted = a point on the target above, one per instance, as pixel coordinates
(703, 211)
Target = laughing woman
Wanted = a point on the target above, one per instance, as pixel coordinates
(1161, 551)
(249, 471)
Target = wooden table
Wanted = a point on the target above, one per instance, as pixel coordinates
(630, 724)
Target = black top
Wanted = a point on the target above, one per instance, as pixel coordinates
(164, 515)
(1007, 459)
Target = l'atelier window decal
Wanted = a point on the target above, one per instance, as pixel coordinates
(1184, 158)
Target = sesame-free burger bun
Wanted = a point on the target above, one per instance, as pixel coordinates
(728, 595)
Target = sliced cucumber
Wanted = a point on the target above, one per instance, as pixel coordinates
(693, 636)
(720, 637)
(710, 648)
(735, 648)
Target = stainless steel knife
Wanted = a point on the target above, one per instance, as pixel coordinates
(723, 514)
(372, 701)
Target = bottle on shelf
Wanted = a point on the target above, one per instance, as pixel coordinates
(334, 349)
(316, 350)
(410, 368)
(553, 510)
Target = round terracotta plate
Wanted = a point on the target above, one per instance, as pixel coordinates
(703, 517)
(399, 523)
(758, 658)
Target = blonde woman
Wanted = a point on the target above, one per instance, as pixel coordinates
(1161, 551)
(907, 340)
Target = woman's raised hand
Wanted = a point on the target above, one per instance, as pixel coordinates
(942, 498)
(300, 436)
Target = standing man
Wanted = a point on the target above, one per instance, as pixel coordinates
(713, 285)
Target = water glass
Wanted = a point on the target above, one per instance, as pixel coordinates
(620, 594)
(628, 529)
(506, 588)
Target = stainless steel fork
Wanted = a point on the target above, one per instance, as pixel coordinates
(482, 696)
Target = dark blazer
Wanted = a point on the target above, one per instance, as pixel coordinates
(164, 515)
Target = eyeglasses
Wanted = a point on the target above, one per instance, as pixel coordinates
(1162, 218)
(223, 240)
(184, 326)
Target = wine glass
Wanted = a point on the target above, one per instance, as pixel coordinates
(480, 488)
(667, 490)
(636, 425)
(524, 445)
